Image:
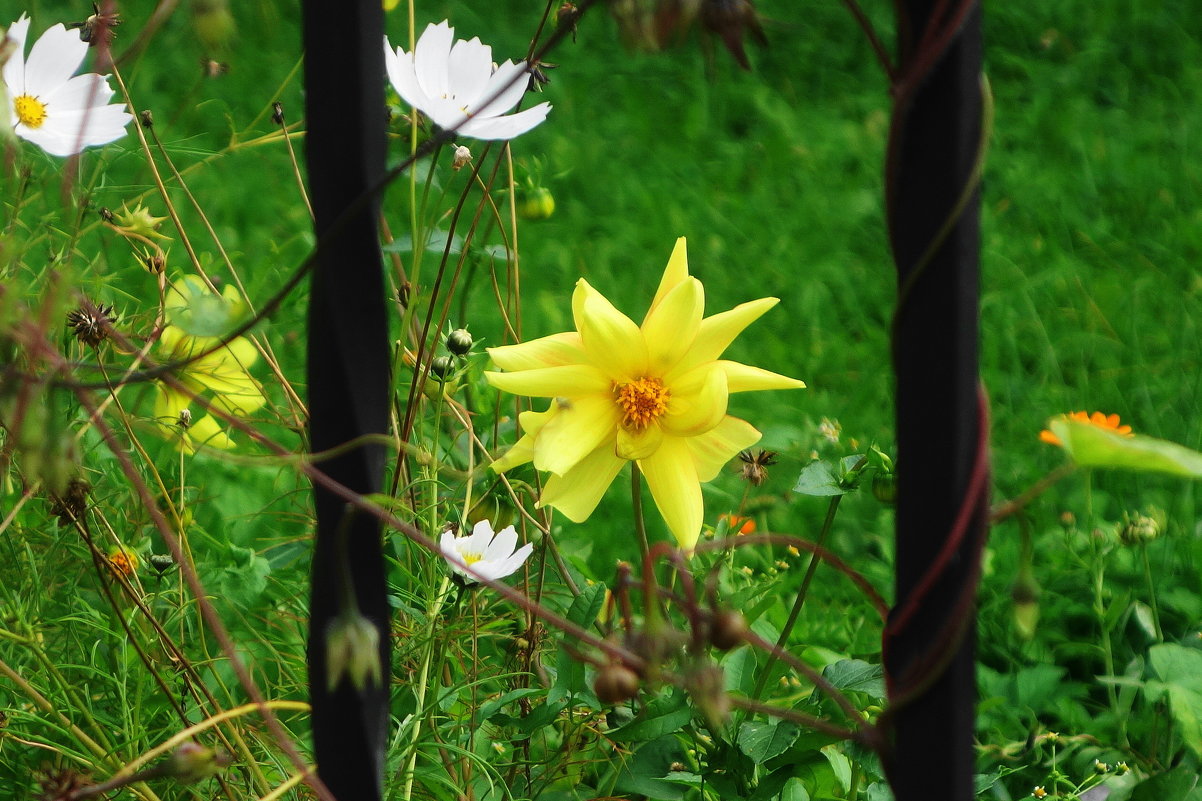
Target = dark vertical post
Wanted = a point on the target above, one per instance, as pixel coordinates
(348, 372)
(932, 195)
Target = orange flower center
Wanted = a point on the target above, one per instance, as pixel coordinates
(30, 110)
(643, 401)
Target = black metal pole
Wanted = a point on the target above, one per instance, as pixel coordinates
(932, 194)
(348, 375)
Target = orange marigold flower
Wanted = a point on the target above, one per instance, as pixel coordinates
(737, 524)
(1110, 422)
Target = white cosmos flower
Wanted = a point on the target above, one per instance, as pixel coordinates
(57, 112)
(491, 556)
(456, 85)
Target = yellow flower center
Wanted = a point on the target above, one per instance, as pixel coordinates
(471, 558)
(30, 111)
(643, 401)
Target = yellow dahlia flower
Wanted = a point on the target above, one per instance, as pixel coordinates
(654, 394)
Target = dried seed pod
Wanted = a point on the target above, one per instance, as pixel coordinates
(615, 683)
(727, 630)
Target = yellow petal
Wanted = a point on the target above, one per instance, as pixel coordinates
(611, 339)
(577, 492)
(716, 447)
(698, 402)
(672, 324)
(168, 403)
(672, 478)
(718, 331)
(552, 351)
(676, 272)
(207, 431)
(569, 380)
(580, 427)
(638, 444)
(745, 378)
(523, 450)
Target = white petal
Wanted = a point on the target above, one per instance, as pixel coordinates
(505, 88)
(469, 67)
(502, 545)
(14, 68)
(449, 547)
(478, 542)
(52, 60)
(430, 57)
(514, 562)
(399, 66)
(82, 91)
(495, 128)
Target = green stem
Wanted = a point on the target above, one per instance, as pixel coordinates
(422, 685)
(636, 498)
(1152, 593)
(831, 509)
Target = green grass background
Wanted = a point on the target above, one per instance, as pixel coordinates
(1091, 223)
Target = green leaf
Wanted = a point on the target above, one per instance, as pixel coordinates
(1176, 783)
(1091, 446)
(664, 715)
(856, 675)
(1181, 671)
(794, 790)
(762, 741)
(570, 675)
(646, 771)
(818, 478)
(840, 765)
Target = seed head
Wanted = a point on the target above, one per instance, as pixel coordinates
(90, 323)
(755, 466)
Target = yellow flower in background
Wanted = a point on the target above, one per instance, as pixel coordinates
(1106, 422)
(654, 394)
(123, 560)
(223, 375)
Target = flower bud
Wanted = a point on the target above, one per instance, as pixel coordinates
(462, 158)
(191, 762)
(537, 204)
(213, 23)
(884, 488)
(161, 562)
(138, 221)
(1138, 529)
(615, 683)
(442, 368)
(353, 652)
(459, 342)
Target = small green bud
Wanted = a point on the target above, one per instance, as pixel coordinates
(537, 204)
(353, 652)
(459, 342)
(442, 368)
(884, 488)
(192, 762)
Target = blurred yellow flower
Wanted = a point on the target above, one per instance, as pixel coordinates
(223, 373)
(123, 560)
(654, 394)
(1108, 422)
